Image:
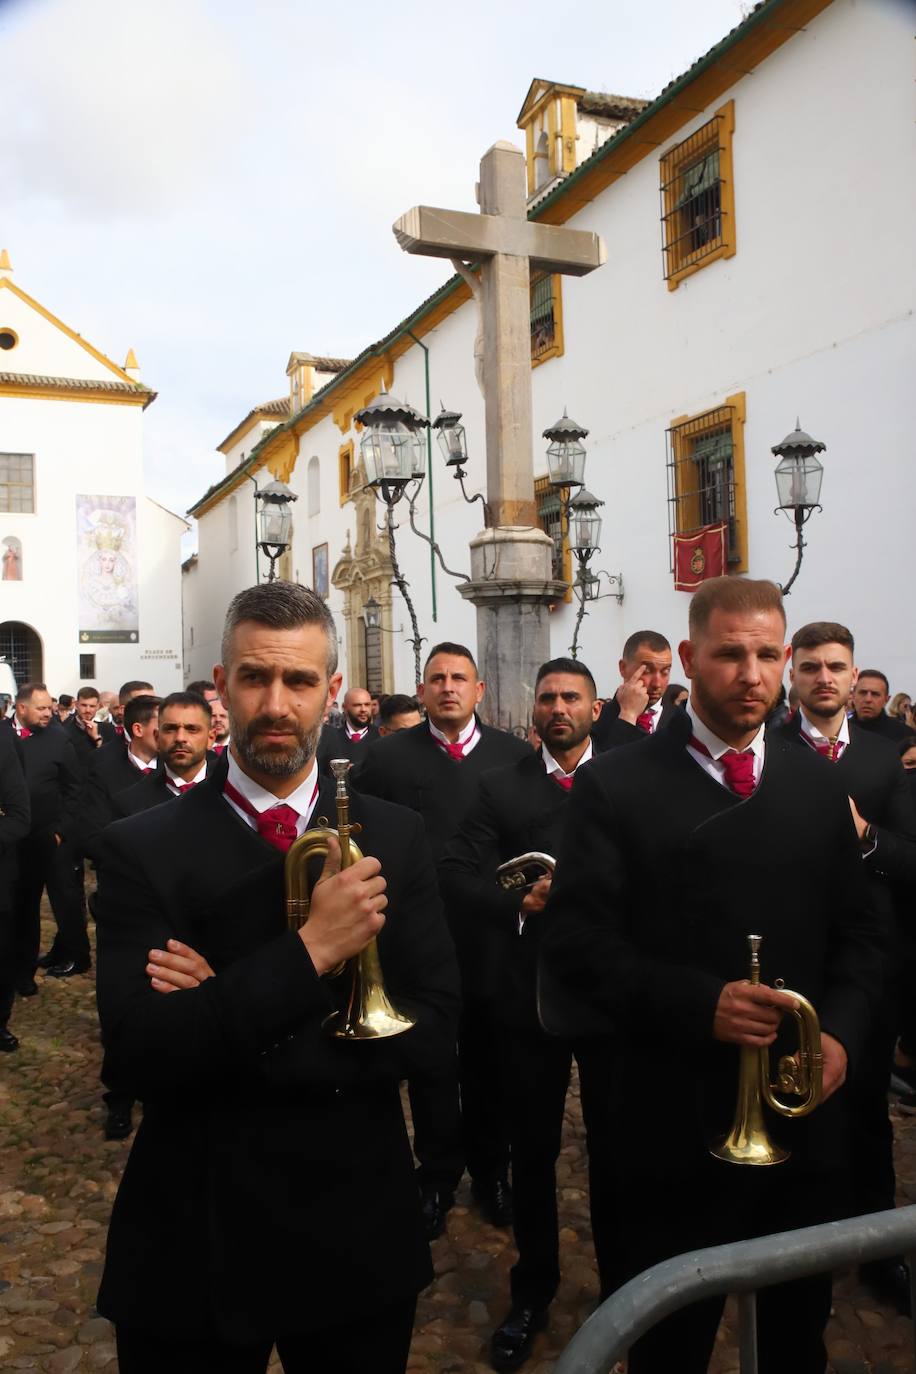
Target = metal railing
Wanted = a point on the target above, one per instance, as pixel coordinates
(739, 1268)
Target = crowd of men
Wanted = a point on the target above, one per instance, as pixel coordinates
(271, 1196)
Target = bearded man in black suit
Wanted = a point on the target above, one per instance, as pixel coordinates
(519, 810)
(269, 1195)
(435, 768)
(674, 851)
(869, 767)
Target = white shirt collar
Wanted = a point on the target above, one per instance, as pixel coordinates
(142, 765)
(466, 735)
(180, 782)
(716, 746)
(302, 800)
(813, 733)
(552, 766)
(355, 732)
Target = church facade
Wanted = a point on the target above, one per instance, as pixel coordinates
(90, 587)
(758, 271)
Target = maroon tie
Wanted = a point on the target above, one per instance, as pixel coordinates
(738, 765)
(644, 722)
(24, 733)
(218, 749)
(276, 825)
(119, 731)
(454, 751)
(179, 788)
(564, 780)
(829, 749)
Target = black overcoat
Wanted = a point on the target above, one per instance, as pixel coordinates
(662, 875)
(270, 1185)
(15, 813)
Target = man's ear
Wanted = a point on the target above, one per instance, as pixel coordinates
(686, 651)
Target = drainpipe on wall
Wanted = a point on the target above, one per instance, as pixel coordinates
(257, 547)
(429, 471)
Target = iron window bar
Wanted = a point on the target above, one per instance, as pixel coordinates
(701, 478)
(542, 317)
(691, 199)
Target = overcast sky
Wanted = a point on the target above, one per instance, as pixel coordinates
(213, 182)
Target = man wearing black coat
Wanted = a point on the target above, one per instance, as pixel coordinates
(352, 738)
(435, 768)
(54, 782)
(636, 711)
(869, 700)
(269, 1195)
(673, 853)
(14, 827)
(520, 810)
(84, 732)
(869, 768)
(117, 766)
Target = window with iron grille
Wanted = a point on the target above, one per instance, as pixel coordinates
(87, 667)
(550, 519)
(546, 319)
(706, 477)
(697, 199)
(17, 482)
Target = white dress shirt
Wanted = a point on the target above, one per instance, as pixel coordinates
(358, 732)
(814, 735)
(302, 800)
(468, 737)
(655, 712)
(717, 747)
(175, 783)
(552, 766)
(141, 765)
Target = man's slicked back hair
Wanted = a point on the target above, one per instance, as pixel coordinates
(85, 693)
(129, 688)
(28, 690)
(823, 632)
(735, 596)
(139, 711)
(397, 704)
(572, 666)
(651, 639)
(186, 699)
(280, 606)
(456, 651)
(876, 672)
(200, 686)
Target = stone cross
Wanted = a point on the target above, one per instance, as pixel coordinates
(512, 583)
(507, 246)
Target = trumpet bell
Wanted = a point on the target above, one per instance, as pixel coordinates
(748, 1141)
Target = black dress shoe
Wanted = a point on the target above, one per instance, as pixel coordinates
(8, 1041)
(511, 1342)
(66, 969)
(494, 1198)
(118, 1124)
(27, 987)
(46, 960)
(889, 1281)
(434, 1204)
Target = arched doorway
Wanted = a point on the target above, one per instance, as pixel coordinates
(21, 647)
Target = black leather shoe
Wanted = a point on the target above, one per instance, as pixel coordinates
(27, 987)
(494, 1198)
(8, 1041)
(889, 1281)
(66, 969)
(46, 960)
(511, 1342)
(434, 1204)
(118, 1124)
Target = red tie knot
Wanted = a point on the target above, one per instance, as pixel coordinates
(120, 732)
(25, 733)
(454, 751)
(739, 771)
(277, 825)
(644, 722)
(564, 780)
(829, 749)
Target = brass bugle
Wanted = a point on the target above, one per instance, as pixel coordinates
(521, 874)
(800, 1074)
(369, 1013)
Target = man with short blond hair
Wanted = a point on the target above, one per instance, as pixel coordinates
(674, 853)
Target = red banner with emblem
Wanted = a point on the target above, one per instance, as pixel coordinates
(699, 555)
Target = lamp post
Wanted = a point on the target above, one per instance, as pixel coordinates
(394, 455)
(798, 484)
(275, 522)
(450, 436)
(584, 524)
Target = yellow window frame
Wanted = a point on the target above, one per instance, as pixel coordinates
(344, 470)
(555, 347)
(684, 498)
(679, 258)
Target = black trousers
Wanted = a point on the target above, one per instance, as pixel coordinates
(45, 864)
(872, 1178)
(659, 1217)
(7, 966)
(380, 1343)
(537, 1071)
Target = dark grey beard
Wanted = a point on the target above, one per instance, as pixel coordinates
(268, 760)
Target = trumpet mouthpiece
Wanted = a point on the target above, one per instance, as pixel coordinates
(340, 768)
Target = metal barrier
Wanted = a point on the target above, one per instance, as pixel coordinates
(739, 1268)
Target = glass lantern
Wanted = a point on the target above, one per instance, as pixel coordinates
(275, 519)
(799, 473)
(392, 446)
(584, 523)
(451, 437)
(565, 453)
(372, 614)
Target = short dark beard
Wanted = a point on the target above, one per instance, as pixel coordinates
(569, 742)
(717, 720)
(823, 712)
(269, 761)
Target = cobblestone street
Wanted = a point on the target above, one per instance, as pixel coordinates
(58, 1177)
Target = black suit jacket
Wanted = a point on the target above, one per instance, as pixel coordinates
(662, 874)
(883, 726)
(337, 744)
(871, 771)
(518, 809)
(83, 746)
(270, 1185)
(609, 731)
(53, 778)
(153, 789)
(410, 768)
(110, 772)
(15, 813)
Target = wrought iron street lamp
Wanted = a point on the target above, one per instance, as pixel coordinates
(798, 484)
(452, 441)
(275, 522)
(565, 453)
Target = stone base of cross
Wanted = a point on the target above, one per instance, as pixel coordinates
(512, 583)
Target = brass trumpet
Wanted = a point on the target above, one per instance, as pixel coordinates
(369, 1013)
(521, 874)
(800, 1074)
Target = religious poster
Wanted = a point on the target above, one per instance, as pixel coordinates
(320, 583)
(11, 559)
(106, 532)
(699, 555)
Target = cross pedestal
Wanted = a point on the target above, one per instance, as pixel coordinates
(512, 579)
